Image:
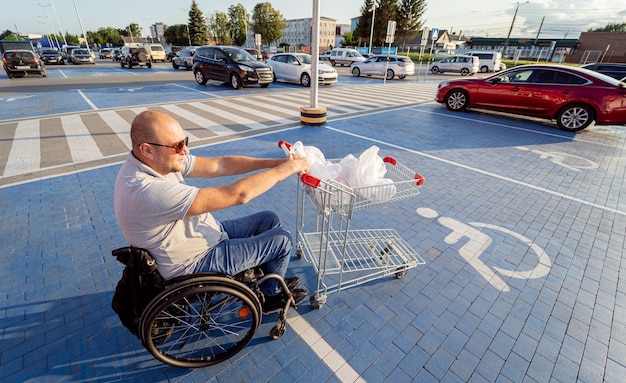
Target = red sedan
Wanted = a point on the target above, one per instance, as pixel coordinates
(574, 97)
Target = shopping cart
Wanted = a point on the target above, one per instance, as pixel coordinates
(344, 257)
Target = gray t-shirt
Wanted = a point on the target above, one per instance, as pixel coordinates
(150, 209)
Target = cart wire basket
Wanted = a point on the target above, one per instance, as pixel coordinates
(344, 257)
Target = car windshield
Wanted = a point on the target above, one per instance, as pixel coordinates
(239, 54)
(304, 59)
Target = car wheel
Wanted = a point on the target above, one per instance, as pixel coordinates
(305, 79)
(484, 69)
(402, 77)
(200, 79)
(464, 72)
(435, 69)
(265, 85)
(456, 100)
(332, 62)
(574, 117)
(187, 67)
(235, 81)
(356, 72)
(174, 65)
(274, 77)
(149, 65)
(390, 74)
(122, 64)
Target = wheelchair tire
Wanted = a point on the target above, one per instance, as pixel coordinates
(200, 322)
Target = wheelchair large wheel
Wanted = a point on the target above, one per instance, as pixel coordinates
(200, 322)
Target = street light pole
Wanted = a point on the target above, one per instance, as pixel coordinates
(372, 26)
(58, 22)
(81, 27)
(506, 43)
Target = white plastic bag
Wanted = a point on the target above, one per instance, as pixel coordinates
(367, 175)
(318, 166)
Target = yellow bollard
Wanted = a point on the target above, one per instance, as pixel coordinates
(313, 116)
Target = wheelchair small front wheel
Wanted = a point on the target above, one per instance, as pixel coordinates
(201, 325)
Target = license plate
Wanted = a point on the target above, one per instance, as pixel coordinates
(23, 67)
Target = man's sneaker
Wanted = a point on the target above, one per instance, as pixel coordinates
(299, 295)
(292, 282)
(278, 302)
(274, 303)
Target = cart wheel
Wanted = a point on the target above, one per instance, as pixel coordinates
(315, 303)
(400, 274)
(299, 253)
(278, 331)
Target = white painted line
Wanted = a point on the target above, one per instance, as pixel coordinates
(195, 90)
(88, 101)
(339, 366)
(25, 154)
(82, 145)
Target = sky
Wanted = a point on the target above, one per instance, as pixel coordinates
(479, 18)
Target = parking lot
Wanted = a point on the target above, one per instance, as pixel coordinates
(521, 227)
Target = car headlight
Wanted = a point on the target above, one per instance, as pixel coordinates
(443, 84)
(245, 68)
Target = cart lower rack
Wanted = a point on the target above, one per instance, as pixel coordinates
(343, 257)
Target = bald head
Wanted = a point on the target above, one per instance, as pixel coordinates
(150, 125)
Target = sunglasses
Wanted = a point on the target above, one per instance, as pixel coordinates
(178, 147)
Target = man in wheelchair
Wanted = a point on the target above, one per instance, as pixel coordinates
(157, 211)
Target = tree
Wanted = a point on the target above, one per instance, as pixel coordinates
(132, 30)
(218, 25)
(177, 34)
(238, 24)
(198, 30)
(610, 27)
(105, 36)
(410, 19)
(268, 22)
(363, 28)
(387, 11)
(349, 39)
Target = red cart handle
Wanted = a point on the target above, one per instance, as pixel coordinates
(419, 178)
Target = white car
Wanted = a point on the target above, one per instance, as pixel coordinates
(296, 67)
(381, 65)
(465, 65)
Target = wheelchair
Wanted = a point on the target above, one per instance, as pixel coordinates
(202, 319)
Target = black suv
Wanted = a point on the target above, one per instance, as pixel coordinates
(230, 64)
(19, 63)
(135, 56)
(617, 71)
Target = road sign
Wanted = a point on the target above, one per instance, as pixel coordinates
(425, 33)
(435, 34)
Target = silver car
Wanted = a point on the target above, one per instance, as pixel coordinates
(465, 65)
(382, 65)
(82, 56)
(296, 67)
(184, 59)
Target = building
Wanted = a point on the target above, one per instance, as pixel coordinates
(298, 32)
(157, 30)
(599, 47)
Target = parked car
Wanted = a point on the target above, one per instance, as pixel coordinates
(345, 56)
(463, 64)
(574, 97)
(490, 61)
(183, 59)
(156, 52)
(135, 56)
(52, 56)
(296, 67)
(82, 56)
(382, 65)
(20, 63)
(171, 51)
(231, 65)
(614, 70)
(105, 53)
(116, 54)
(325, 56)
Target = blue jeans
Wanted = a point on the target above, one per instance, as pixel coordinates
(252, 241)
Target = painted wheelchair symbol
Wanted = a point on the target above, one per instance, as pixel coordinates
(478, 242)
(566, 160)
